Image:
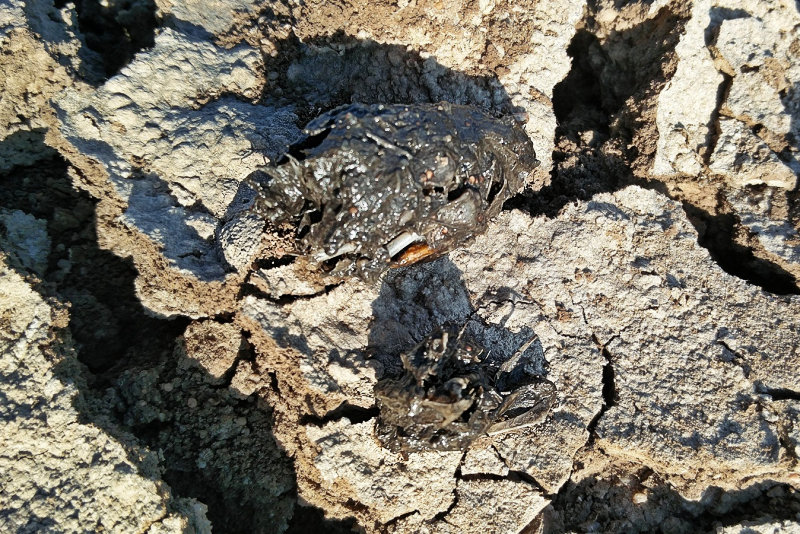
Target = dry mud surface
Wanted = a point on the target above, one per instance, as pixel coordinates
(169, 365)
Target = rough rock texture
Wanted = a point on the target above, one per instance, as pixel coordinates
(37, 56)
(482, 458)
(323, 357)
(215, 442)
(618, 496)
(215, 346)
(746, 159)
(731, 110)
(144, 154)
(24, 239)
(352, 465)
(482, 506)
(155, 148)
(624, 285)
(688, 101)
(57, 472)
(296, 279)
(676, 380)
(735, 64)
(765, 527)
(760, 47)
(203, 18)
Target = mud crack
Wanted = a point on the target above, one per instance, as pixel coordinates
(609, 389)
(354, 414)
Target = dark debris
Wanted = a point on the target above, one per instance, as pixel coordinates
(452, 392)
(377, 185)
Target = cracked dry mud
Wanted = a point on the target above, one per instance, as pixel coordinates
(171, 365)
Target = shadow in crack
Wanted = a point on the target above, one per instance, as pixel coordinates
(324, 72)
(601, 106)
(106, 317)
(731, 235)
(24, 148)
(180, 422)
(605, 109)
(718, 233)
(116, 30)
(418, 300)
(639, 500)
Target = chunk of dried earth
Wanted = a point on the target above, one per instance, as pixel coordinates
(57, 471)
(600, 286)
(676, 401)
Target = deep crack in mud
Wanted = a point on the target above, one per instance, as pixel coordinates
(127, 352)
(140, 382)
(596, 149)
(115, 30)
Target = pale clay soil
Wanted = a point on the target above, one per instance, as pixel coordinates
(170, 364)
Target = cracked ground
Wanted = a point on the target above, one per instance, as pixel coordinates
(171, 364)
